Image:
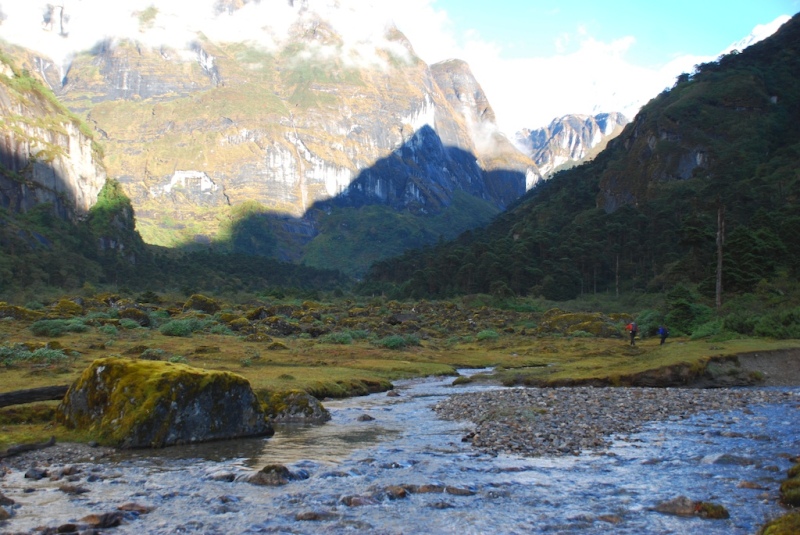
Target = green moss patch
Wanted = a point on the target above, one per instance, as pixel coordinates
(142, 403)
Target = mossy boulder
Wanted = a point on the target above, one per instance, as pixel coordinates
(788, 524)
(295, 406)
(19, 313)
(66, 309)
(139, 316)
(149, 404)
(202, 303)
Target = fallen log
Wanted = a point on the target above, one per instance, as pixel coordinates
(16, 450)
(47, 393)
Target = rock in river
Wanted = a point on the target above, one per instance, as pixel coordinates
(142, 404)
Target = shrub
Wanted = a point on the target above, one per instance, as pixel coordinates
(129, 324)
(53, 328)
(342, 338)
(152, 353)
(581, 334)
(487, 334)
(648, 321)
(19, 353)
(182, 327)
(784, 324)
(108, 330)
(221, 329)
(397, 341)
(710, 328)
(179, 359)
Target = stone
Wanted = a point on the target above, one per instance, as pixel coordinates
(135, 508)
(296, 407)
(150, 404)
(681, 506)
(274, 475)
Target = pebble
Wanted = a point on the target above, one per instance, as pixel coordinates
(567, 421)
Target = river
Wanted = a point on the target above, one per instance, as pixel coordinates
(347, 465)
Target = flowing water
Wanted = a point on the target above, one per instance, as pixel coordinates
(705, 457)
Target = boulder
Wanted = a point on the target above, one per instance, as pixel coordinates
(150, 404)
(294, 406)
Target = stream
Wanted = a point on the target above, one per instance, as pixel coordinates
(346, 466)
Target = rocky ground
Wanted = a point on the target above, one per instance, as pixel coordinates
(561, 421)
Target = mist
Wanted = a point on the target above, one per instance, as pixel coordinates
(61, 31)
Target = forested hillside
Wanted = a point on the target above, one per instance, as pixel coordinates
(721, 148)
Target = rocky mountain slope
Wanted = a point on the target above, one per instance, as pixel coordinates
(192, 134)
(47, 156)
(714, 156)
(570, 140)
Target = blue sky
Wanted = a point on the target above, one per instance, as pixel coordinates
(525, 28)
(538, 61)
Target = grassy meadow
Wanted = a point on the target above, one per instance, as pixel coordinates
(337, 349)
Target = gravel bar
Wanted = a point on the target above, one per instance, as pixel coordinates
(567, 421)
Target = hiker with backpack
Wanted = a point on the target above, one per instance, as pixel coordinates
(633, 329)
(663, 332)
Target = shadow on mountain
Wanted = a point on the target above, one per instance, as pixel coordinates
(422, 192)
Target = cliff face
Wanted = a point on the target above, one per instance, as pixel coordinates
(44, 156)
(570, 140)
(191, 134)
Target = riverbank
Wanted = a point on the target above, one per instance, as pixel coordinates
(568, 421)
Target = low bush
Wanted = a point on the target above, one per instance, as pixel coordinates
(129, 324)
(183, 327)
(342, 338)
(398, 341)
(487, 334)
(54, 328)
(108, 330)
(19, 354)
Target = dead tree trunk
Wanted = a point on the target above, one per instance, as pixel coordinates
(720, 243)
(19, 397)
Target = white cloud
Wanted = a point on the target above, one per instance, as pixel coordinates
(585, 76)
(178, 23)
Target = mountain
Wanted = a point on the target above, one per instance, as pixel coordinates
(63, 220)
(198, 135)
(719, 148)
(570, 140)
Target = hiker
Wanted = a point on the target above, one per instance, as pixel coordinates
(663, 332)
(633, 329)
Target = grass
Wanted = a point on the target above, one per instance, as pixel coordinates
(360, 352)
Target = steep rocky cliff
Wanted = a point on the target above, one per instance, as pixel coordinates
(570, 140)
(45, 156)
(192, 133)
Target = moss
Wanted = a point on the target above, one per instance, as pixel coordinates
(794, 471)
(66, 309)
(239, 324)
(19, 313)
(788, 524)
(711, 510)
(201, 303)
(116, 399)
(790, 492)
(277, 346)
(226, 317)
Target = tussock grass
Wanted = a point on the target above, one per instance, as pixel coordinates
(356, 353)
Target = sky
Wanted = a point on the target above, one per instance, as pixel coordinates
(535, 60)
